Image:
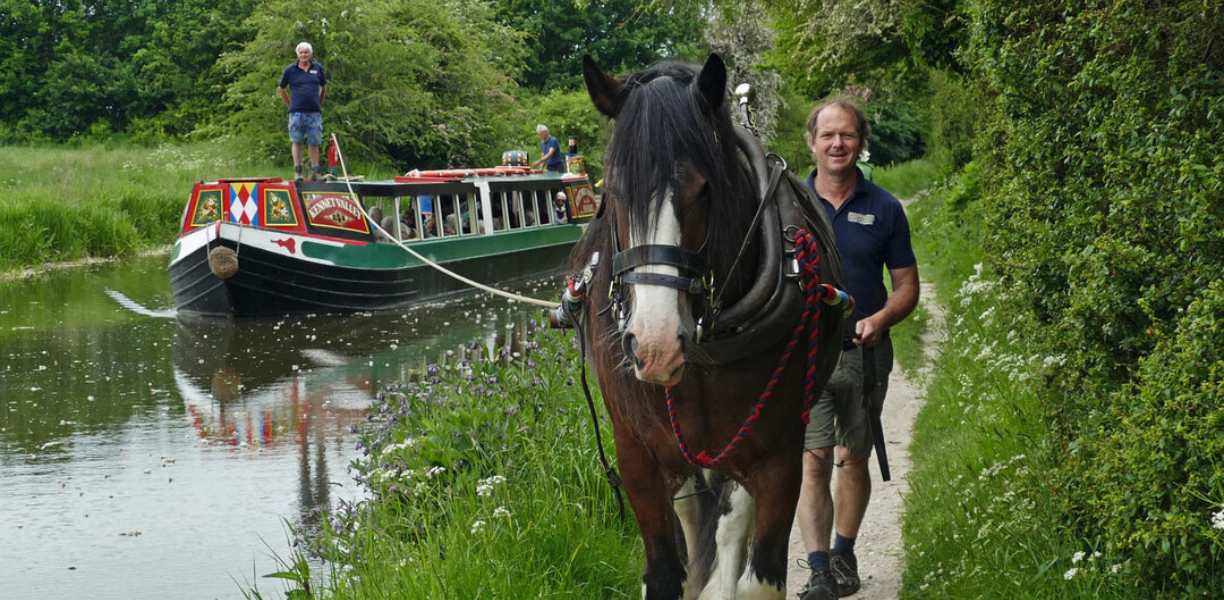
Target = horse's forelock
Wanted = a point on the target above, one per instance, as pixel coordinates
(663, 125)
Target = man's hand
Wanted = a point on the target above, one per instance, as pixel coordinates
(867, 332)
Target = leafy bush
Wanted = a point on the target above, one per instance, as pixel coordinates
(897, 126)
(1102, 181)
(953, 111)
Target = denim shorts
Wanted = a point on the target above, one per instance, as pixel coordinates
(306, 125)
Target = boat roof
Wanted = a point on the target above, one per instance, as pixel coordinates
(449, 181)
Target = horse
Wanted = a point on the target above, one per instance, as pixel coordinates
(688, 324)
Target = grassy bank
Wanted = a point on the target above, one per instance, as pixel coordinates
(981, 520)
(485, 483)
(64, 204)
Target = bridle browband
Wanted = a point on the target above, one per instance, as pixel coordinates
(694, 263)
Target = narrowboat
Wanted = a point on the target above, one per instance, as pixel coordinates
(269, 247)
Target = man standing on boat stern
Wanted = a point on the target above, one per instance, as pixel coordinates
(307, 87)
(550, 151)
(872, 233)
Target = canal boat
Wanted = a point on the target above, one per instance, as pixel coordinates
(268, 247)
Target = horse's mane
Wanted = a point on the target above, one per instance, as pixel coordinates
(665, 124)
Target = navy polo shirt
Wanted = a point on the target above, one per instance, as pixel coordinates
(555, 162)
(304, 87)
(872, 232)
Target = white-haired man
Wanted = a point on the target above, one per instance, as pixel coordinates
(307, 87)
(550, 151)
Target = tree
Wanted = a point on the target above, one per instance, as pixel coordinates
(738, 32)
(415, 83)
(623, 35)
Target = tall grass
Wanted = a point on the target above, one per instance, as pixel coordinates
(980, 519)
(484, 483)
(907, 179)
(62, 204)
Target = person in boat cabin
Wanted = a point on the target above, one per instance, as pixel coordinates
(307, 86)
(872, 233)
(550, 151)
(560, 208)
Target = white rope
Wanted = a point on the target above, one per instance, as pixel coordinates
(475, 284)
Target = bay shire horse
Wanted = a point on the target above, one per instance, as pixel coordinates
(706, 266)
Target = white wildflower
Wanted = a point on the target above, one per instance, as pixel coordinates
(1217, 519)
(1070, 574)
(1115, 568)
(501, 511)
(434, 471)
(477, 526)
(485, 486)
(1078, 556)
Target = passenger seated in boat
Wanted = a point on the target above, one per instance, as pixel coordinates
(408, 225)
(388, 225)
(376, 218)
(560, 208)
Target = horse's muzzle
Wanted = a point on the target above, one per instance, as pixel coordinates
(661, 364)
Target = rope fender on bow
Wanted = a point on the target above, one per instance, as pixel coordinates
(815, 295)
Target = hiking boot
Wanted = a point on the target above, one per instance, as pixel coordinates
(315, 173)
(297, 172)
(820, 586)
(845, 569)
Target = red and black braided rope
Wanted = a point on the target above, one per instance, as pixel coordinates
(807, 254)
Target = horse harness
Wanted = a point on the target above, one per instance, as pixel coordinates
(773, 303)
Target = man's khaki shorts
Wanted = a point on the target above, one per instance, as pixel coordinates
(840, 417)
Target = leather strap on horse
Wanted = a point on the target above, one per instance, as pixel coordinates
(614, 479)
(815, 295)
(773, 302)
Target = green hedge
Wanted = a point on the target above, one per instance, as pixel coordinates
(1102, 178)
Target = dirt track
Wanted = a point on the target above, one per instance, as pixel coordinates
(879, 549)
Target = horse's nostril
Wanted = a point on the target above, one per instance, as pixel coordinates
(685, 342)
(629, 344)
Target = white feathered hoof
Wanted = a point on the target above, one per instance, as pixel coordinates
(223, 262)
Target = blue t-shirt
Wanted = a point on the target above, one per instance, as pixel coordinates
(555, 162)
(872, 232)
(304, 87)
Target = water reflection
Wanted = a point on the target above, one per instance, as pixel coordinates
(145, 456)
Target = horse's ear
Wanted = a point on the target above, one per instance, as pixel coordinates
(712, 82)
(606, 92)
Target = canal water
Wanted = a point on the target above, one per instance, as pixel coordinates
(148, 456)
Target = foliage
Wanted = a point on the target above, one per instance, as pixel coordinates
(1101, 182)
(623, 35)
(484, 482)
(738, 32)
(953, 112)
(897, 126)
(71, 69)
(415, 84)
(826, 45)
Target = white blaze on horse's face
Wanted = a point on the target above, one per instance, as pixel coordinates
(656, 323)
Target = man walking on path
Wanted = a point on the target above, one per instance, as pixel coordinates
(872, 232)
(307, 87)
(550, 151)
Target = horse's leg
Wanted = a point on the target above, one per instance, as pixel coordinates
(663, 575)
(775, 486)
(731, 536)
